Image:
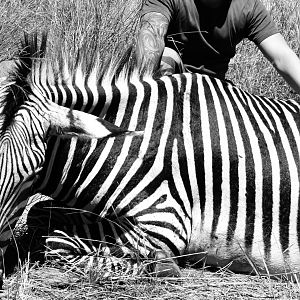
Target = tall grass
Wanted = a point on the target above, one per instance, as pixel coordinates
(103, 25)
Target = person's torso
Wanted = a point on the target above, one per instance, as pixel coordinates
(206, 38)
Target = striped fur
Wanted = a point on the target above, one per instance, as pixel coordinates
(27, 120)
(215, 175)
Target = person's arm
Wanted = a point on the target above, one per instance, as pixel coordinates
(150, 40)
(283, 58)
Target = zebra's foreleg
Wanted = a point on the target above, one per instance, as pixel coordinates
(109, 261)
(101, 243)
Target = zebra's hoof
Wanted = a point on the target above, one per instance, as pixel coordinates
(165, 266)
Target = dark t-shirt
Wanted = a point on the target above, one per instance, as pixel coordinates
(206, 38)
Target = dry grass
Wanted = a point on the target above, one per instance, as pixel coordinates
(48, 282)
(102, 25)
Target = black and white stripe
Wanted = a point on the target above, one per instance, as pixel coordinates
(216, 170)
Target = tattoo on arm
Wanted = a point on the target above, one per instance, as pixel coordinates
(150, 43)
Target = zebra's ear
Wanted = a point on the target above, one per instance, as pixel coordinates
(65, 121)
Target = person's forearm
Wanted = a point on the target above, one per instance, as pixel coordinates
(283, 58)
(150, 40)
(289, 68)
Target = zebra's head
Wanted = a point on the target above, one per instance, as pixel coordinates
(27, 120)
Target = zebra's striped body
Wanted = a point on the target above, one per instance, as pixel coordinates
(216, 171)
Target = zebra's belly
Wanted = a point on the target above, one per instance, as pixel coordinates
(216, 250)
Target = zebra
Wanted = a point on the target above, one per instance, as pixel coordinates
(27, 121)
(214, 177)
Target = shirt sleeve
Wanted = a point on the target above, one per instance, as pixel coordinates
(259, 22)
(165, 7)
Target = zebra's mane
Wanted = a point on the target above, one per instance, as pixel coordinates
(89, 65)
(15, 88)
